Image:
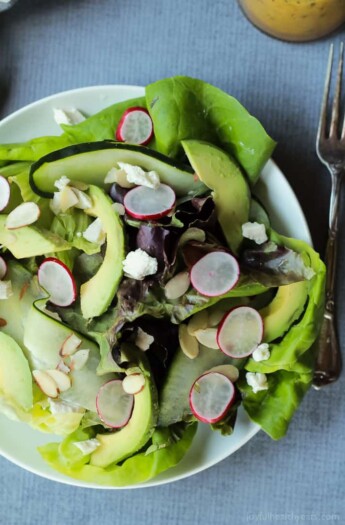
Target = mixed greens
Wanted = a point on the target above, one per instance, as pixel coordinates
(142, 287)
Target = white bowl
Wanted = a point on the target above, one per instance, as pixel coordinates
(19, 442)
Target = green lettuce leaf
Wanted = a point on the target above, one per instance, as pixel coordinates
(100, 126)
(164, 454)
(188, 108)
(290, 366)
(273, 409)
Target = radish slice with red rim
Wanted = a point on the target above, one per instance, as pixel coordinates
(58, 281)
(113, 405)
(240, 332)
(135, 126)
(211, 396)
(3, 268)
(5, 192)
(146, 203)
(215, 274)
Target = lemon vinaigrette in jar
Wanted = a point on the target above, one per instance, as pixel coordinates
(295, 20)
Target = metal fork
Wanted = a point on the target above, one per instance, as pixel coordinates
(330, 147)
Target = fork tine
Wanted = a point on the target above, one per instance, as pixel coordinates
(321, 132)
(336, 102)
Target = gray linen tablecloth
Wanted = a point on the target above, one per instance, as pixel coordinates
(46, 47)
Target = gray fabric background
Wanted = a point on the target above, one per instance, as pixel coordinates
(48, 46)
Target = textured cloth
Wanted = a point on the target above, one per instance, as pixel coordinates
(47, 47)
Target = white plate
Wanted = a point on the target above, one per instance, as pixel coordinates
(18, 442)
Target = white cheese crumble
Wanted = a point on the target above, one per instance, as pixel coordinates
(88, 446)
(138, 176)
(67, 116)
(61, 183)
(60, 407)
(5, 289)
(143, 340)
(257, 381)
(95, 232)
(261, 353)
(138, 264)
(255, 232)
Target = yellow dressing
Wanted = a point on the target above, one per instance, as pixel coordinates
(296, 20)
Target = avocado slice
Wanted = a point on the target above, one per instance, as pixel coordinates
(97, 293)
(118, 445)
(15, 376)
(285, 308)
(30, 241)
(230, 190)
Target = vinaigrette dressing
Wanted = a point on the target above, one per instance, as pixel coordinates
(295, 20)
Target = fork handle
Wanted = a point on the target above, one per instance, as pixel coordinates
(328, 362)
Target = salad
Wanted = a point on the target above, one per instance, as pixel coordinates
(143, 290)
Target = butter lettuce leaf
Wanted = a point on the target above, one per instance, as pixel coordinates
(100, 126)
(187, 108)
(164, 452)
(290, 367)
(274, 408)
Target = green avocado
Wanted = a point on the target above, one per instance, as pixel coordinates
(30, 241)
(118, 445)
(229, 188)
(15, 376)
(285, 308)
(97, 293)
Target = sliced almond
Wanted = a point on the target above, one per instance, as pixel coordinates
(63, 367)
(133, 383)
(229, 371)
(192, 234)
(199, 321)
(95, 232)
(207, 337)
(215, 317)
(177, 286)
(84, 201)
(119, 177)
(188, 343)
(80, 185)
(143, 340)
(46, 383)
(5, 289)
(62, 380)
(23, 215)
(79, 359)
(68, 198)
(70, 345)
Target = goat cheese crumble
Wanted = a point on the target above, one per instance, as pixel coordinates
(138, 264)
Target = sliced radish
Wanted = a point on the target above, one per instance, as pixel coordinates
(57, 280)
(5, 192)
(215, 274)
(211, 396)
(240, 332)
(135, 126)
(23, 215)
(146, 203)
(113, 405)
(3, 268)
